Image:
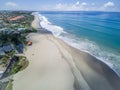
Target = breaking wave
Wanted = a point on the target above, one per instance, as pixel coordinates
(83, 44)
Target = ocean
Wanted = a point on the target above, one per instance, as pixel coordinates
(97, 33)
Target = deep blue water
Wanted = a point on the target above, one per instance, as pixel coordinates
(96, 32)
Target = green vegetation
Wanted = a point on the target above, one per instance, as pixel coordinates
(25, 22)
(14, 27)
(19, 66)
(9, 86)
(6, 58)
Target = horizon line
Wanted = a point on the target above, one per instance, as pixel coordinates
(62, 10)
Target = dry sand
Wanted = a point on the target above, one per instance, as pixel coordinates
(54, 65)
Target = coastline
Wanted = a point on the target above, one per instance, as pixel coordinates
(65, 68)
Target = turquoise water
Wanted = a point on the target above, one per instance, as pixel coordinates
(97, 33)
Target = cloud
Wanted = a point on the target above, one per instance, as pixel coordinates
(11, 4)
(109, 4)
(61, 6)
(84, 4)
(77, 3)
(80, 6)
(68, 7)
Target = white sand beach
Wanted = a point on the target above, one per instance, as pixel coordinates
(54, 65)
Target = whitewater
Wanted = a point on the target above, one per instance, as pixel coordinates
(82, 44)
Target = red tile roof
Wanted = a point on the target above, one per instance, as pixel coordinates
(16, 18)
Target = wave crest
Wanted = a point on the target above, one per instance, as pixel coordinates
(56, 30)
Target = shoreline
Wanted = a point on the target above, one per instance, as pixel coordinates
(110, 65)
(102, 56)
(68, 67)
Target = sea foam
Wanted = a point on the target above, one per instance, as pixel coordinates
(82, 44)
(56, 30)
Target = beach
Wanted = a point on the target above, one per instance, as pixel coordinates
(55, 65)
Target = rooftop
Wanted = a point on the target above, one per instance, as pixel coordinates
(16, 18)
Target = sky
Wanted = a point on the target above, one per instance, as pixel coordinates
(61, 5)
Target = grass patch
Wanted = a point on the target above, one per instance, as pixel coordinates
(25, 65)
(19, 66)
(10, 85)
(6, 58)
